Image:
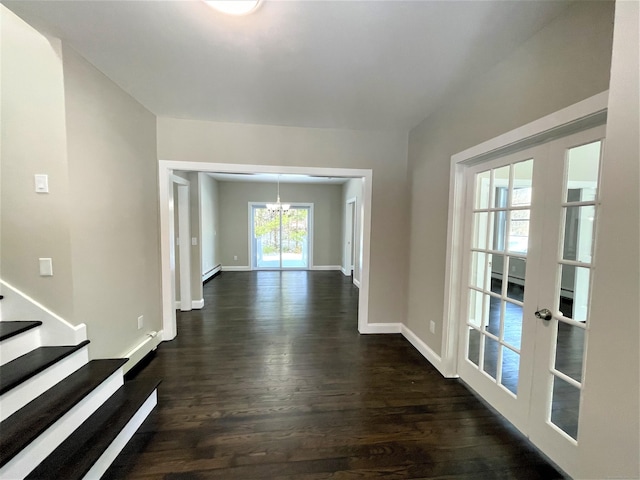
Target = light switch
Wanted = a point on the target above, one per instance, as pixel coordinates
(42, 183)
(46, 267)
(194, 240)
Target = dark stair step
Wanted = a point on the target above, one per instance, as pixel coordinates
(10, 329)
(32, 363)
(79, 452)
(25, 425)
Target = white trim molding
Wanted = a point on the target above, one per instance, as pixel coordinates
(165, 171)
(580, 116)
(356, 282)
(326, 267)
(426, 351)
(372, 328)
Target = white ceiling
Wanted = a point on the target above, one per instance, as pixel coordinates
(374, 65)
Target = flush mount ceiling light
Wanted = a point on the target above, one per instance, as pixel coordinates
(234, 7)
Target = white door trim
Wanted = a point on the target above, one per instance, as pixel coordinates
(351, 205)
(580, 116)
(165, 170)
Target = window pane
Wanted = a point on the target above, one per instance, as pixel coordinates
(570, 350)
(493, 322)
(578, 233)
(519, 231)
(574, 293)
(475, 308)
(478, 269)
(512, 333)
(565, 407)
(510, 369)
(474, 346)
(582, 172)
(497, 230)
(522, 175)
(490, 364)
(501, 186)
(496, 272)
(482, 190)
(517, 269)
(480, 230)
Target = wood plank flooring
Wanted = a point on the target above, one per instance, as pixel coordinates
(271, 380)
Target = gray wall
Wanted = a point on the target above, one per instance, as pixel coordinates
(234, 218)
(99, 223)
(34, 142)
(114, 209)
(564, 63)
(385, 153)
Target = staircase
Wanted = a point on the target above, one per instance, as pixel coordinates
(61, 415)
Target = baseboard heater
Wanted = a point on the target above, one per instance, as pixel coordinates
(210, 274)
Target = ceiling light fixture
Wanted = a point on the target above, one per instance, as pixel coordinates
(234, 7)
(278, 206)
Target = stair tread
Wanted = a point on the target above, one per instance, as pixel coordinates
(30, 364)
(25, 425)
(10, 329)
(77, 454)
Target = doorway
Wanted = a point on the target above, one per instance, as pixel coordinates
(280, 238)
(529, 234)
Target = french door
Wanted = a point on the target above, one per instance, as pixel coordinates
(530, 229)
(280, 238)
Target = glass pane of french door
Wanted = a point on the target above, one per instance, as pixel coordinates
(498, 253)
(280, 237)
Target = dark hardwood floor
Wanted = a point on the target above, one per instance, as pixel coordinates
(271, 380)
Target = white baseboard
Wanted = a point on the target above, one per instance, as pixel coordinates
(433, 358)
(356, 282)
(149, 343)
(54, 330)
(29, 458)
(206, 276)
(112, 451)
(235, 268)
(381, 328)
(326, 267)
(345, 272)
(195, 304)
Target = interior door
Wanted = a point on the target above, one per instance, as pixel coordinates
(530, 224)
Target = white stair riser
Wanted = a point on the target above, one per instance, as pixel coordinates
(18, 345)
(110, 454)
(19, 396)
(23, 463)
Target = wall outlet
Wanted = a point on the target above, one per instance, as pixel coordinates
(235, 257)
(46, 267)
(194, 241)
(140, 322)
(432, 326)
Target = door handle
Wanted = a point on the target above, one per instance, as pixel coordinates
(544, 314)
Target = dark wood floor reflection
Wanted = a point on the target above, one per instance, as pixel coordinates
(272, 381)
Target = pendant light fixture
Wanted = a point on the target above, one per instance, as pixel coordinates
(278, 206)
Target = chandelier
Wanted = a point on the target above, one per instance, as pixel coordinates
(278, 206)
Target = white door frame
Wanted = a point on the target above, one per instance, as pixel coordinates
(184, 244)
(580, 116)
(165, 187)
(350, 236)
